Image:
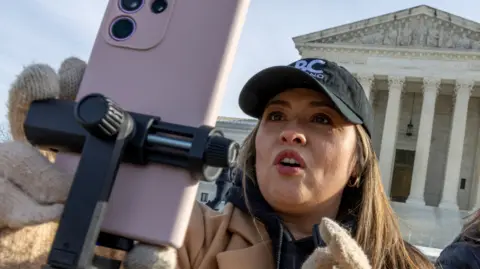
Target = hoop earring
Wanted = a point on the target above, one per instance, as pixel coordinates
(355, 183)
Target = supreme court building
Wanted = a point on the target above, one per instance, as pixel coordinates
(420, 68)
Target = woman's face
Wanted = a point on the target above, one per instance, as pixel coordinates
(305, 152)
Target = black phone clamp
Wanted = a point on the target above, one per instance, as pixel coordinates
(105, 135)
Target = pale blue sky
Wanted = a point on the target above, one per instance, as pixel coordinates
(48, 31)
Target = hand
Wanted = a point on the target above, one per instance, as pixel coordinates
(32, 189)
(144, 256)
(342, 251)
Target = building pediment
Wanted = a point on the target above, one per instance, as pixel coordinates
(418, 27)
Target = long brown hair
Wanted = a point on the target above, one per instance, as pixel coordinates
(378, 232)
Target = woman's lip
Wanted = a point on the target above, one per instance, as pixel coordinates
(288, 170)
(289, 154)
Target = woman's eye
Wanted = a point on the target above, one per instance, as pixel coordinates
(275, 116)
(321, 118)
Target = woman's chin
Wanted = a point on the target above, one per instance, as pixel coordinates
(286, 195)
(287, 205)
(283, 190)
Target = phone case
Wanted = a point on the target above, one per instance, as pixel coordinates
(175, 66)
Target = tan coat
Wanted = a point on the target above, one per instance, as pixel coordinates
(214, 240)
(226, 240)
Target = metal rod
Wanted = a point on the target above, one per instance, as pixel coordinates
(169, 142)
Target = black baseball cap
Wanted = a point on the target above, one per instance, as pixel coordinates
(321, 75)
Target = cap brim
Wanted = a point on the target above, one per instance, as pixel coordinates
(268, 83)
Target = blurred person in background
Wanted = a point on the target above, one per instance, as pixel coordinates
(223, 183)
(464, 251)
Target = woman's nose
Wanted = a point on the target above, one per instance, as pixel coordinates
(293, 137)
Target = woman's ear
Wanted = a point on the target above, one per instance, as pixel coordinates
(354, 172)
(353, 169)
(356, 162)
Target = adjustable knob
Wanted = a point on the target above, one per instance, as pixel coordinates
(99, 115)
(221, 152)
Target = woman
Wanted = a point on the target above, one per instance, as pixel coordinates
(464, 251)
(308, 160)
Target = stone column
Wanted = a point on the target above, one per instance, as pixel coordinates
(463, 90)
(373, 95)
(422, 152)
(390, 126)
(366, 80)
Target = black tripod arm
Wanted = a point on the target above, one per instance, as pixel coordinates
(106, 136)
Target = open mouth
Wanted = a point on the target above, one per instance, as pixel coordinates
(290, 162)
(289, 158)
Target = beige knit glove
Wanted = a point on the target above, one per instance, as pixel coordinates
(32, 189)
(341, 252)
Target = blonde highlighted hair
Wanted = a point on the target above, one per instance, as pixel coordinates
(378, 231)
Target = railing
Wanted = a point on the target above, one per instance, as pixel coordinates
(431, 253)
(424, 243)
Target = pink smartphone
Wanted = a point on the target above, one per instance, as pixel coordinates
(165, 58)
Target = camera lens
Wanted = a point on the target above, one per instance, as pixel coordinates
(122, 28)
(158, 6)
(131, 5)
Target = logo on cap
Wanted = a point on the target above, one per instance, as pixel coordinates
(313, 67)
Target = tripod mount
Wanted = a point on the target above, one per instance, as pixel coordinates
(105, 135)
